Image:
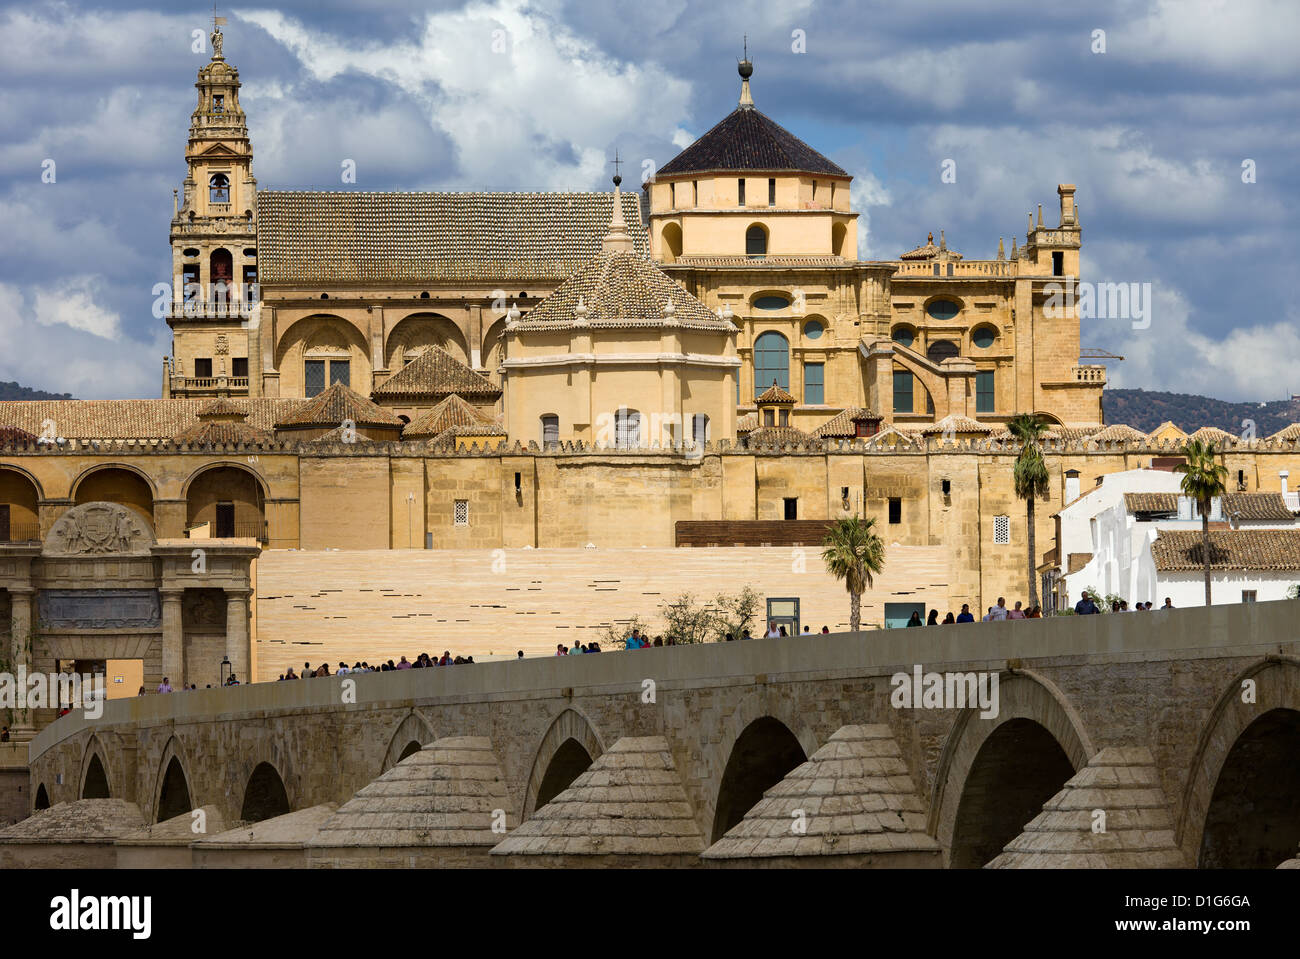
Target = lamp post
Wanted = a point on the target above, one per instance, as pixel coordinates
(226, 669)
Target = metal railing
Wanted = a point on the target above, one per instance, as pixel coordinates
(20, 531)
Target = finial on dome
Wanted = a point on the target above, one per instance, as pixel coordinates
(617, 239)
(580, 311)
(746, 70)
(513, 314)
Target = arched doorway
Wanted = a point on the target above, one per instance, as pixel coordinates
(1252, 821)
(42, 800)
(229, 500)
(570, 761)
(762, 756)
(671, 247)
(174, 798)
(117, 484)
(95, 784)
(265, 796)
(1018, 768)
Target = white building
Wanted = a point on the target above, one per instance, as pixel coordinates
(1105, 538)
(1247, 565)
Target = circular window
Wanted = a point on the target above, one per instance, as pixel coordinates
(984, 337)
(812, 329)
(771, 303)
(904, 335)
(943, 309)
(941, 350)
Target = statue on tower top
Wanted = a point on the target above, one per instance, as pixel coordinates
(216, 37)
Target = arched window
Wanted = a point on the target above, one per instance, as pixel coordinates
(903, 335)
(941, 350)
(550, 430)
(756, 241)
(771, 362)
(627, 428)
(219, 188)
(700, 428)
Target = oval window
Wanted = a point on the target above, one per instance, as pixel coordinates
(771, 303)
(903, 335)
(943, 309)
(812, 329)
(190, 251)
(983, 337)
(941, 350)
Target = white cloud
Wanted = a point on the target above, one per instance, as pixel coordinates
(523, 99)
(866, 192)
(73, 304)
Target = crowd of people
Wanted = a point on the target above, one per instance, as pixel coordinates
(1087, 606)
(422, 661)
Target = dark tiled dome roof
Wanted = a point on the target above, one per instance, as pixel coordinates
(748, 140)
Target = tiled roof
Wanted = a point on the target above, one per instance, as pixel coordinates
(843, 424)
(778, 436)
(1054, 432)
(12, 434)
(748, 140)
(452, 411)
(1212, 434)
(1151, 502)
(216, 432)
(619, 288)
(1230, 549)
(130, 419)
(341, 434)
(902, 435)
(333, 406)
(956, 423)
(774, 394)
(347, 237)
(435, 372)
(1117, 432)
(747, 423)
(929, 251)
(1257, 506)
(224, 409)
(81, 820)
(487, 431)
(1287, 433)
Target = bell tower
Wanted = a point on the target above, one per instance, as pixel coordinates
(214, 242)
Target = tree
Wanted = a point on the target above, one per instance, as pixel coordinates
(1203, 480)
(1031, 483)
(853, 553)
(736, 611)
(686, 620)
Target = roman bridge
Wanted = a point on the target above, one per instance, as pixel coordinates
(1179, 730)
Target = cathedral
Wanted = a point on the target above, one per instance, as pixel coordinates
(422, 383)
(657, 319)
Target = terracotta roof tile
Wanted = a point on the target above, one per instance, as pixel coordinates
(349, 237)
(749, 140)
(1257, 506)
(1151, 502)
(747, 423)
(1287, 433)
(844, 424)
(929, 251)
(774, 394)
(435, 372)
(619, 288)
(1118, 432)
(778, 436)
(335, 405)
(450, 412)
(216, 433)
(1254, 550)
(956, 423)
(131, 419)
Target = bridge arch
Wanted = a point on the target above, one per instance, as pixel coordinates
(413, 733)
(570, 745)
(762, 754)
(265, 796)
(41, 800)
(995, 774)
(94, 775)
(172, 796)
(1244, 770)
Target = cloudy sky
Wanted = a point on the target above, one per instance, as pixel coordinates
(518, 95)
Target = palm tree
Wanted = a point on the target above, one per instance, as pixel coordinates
(853, 553)
(1203, 480)
(1031, 482)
